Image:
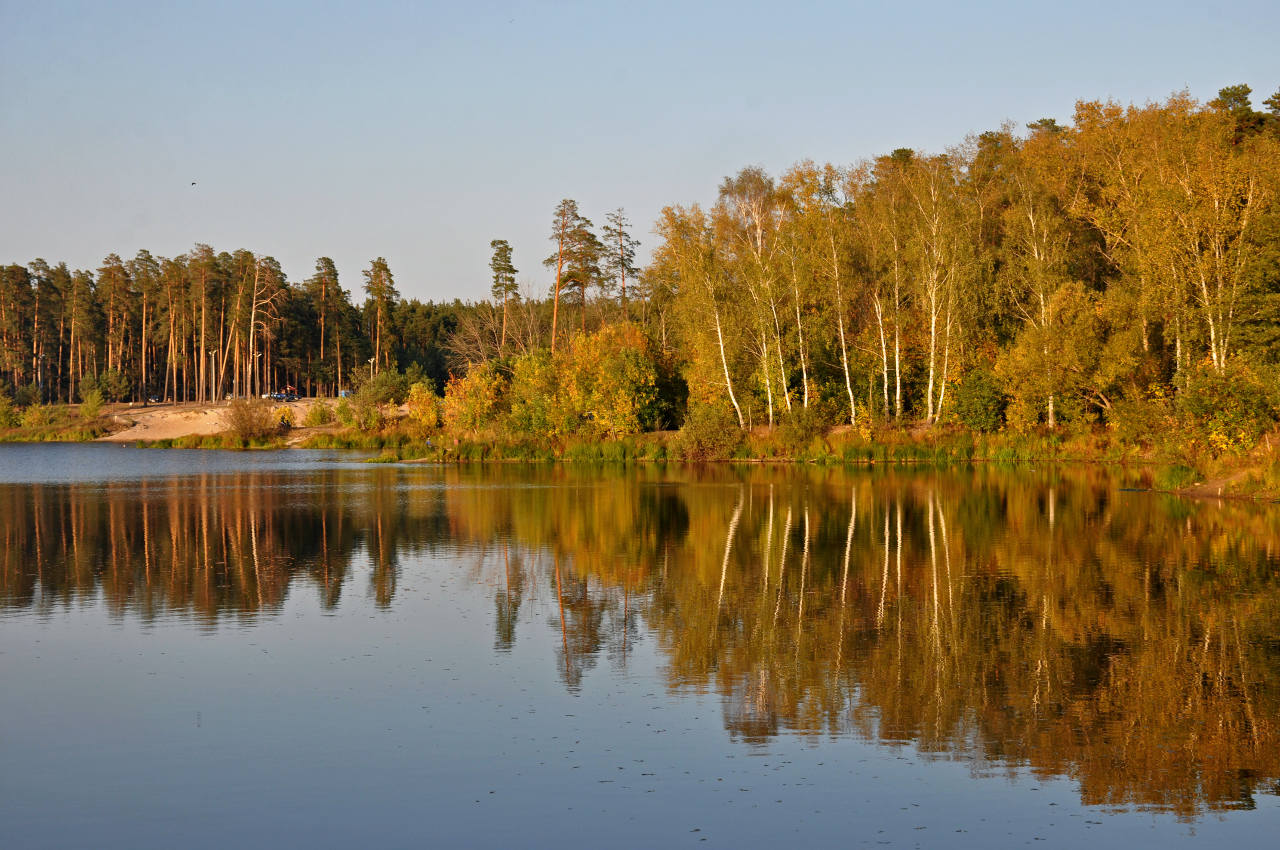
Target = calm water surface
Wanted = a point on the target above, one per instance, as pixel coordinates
(256, 649)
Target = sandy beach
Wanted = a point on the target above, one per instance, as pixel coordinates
(166, 422)
(171, 421)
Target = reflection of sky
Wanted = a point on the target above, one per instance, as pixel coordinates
(384, 727)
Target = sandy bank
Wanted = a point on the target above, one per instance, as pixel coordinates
(166, 422)
(171, 421)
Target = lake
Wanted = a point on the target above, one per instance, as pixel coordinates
(210, 649)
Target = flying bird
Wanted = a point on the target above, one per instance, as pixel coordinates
(193, 182)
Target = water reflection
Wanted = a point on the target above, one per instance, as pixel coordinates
(1009, 619)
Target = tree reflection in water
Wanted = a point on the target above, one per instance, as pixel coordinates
(1012, 619)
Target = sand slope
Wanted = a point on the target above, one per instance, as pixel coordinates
(166, 422)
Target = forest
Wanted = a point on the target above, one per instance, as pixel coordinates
(1118, 272)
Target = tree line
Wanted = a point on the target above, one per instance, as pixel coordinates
(1061, 273)
(206, 325)
(1055, 274)
(1120, 270)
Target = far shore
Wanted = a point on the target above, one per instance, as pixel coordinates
(204, 425)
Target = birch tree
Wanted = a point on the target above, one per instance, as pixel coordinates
(687, 248)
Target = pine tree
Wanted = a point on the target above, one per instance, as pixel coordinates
(381, 290)
(620, 251)
(504, 280)
(326, 294)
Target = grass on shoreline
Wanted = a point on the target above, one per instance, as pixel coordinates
(55, 423)
(1167, 466)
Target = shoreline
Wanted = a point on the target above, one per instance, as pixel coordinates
(197, 425)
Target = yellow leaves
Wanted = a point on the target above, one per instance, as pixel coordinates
(599, 385)
(609, 380)
(423, 406)
(472, 401)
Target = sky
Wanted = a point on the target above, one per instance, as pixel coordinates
(419, 132)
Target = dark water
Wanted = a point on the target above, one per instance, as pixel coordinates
(261, 649)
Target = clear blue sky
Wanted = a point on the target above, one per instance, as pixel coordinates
(420, 131)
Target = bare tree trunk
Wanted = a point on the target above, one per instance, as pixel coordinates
(933, 345)
(884, 357)
(844, 350)
(555, 304)
(777, 336)
(502, 343)
(897, 369)
(946, 363)
(804, 366)
(764, 368)
(724, 362)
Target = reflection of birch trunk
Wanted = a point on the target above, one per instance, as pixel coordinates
(848, 542)
(768, 543)
(884, 579)
(728, 547)
(782, 565)
(804, 574)
(844, 577)
(898, 595)
(899, 567)
(564, 630)
(935, 630)
(1245, 691)
(946, 561)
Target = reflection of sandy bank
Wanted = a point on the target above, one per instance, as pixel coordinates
(168, 422)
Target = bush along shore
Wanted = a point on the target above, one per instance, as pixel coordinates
(1218, 436)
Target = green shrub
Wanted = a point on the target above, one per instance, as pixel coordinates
(532, 395)
(1228, 411)
(250, 419)
(979, 401)
(346, 416)
(473, 401)
(91, 403)
(424, 406)
(1143, 421)
(26, 395)
(710, 433)
(318, 414)
(609, 381)
(36, 416)
(111, 383)
(800, 428)
(366, 413)
(8, 413)
(390, 387)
